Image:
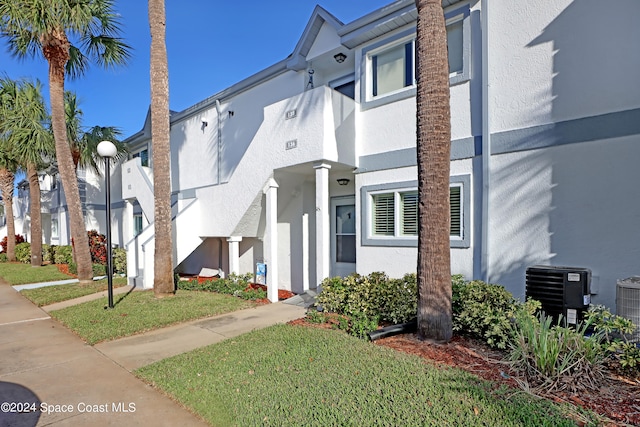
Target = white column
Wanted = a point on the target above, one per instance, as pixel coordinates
(271, 239)
(234, 254)
(127, 222)
(323, 242)
(305, 252)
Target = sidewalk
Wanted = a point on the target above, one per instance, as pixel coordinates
(46, 364)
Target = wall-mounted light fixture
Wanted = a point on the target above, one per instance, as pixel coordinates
(340, 57)
(231, 113)
(343, 181)
(205, 122)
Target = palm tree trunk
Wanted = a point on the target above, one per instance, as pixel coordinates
(66, 168)
(434, 150)
(6, 186)
(160, 127)
(36, 216)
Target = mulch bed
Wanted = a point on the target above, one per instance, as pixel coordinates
(64, 268)
(618, 400)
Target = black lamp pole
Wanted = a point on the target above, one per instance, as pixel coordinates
(107, 150)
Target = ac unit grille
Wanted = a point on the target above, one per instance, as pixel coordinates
(628, 303)
(561, 290)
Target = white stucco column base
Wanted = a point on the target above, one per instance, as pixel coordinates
(323, 242)
(271, 239)
(234, 254)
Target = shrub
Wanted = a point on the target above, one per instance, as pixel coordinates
(554, 357)
(361, 323)
(252, 294)
(623, 355)
(63, 255)
(4, 242)
(73, 268)
(99, 270)
(120, 261)
(485, 311)
(23, 252)
(48, 253)
(3, 257)
(97, 247)
(233, 284)
(375, 295)
(397, 300)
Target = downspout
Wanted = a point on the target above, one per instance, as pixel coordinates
(486, 143)
(219, 130)
(218, 108)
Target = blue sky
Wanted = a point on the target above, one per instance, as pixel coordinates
(211, 45)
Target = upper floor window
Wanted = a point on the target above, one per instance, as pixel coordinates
(389, 66)
(144, 157)
(392, 69)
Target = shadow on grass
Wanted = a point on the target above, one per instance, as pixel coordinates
(121, 297)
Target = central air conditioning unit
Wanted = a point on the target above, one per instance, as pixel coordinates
(562, 291)
(628, 303)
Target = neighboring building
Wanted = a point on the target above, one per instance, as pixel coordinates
(310, 164)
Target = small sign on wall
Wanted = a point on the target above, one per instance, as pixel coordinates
(291, 144)
(261, 273)
(290, 114)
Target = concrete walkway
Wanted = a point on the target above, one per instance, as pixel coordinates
(46, 365)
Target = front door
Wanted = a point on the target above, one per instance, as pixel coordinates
(343, 236)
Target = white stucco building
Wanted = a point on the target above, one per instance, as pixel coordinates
(310, 164)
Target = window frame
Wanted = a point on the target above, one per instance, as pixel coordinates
(142, 159)
(368, 100)
(368, 238)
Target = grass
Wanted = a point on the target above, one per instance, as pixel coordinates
(52, 294)
(290, 376)
(140, 311)
(20, 274)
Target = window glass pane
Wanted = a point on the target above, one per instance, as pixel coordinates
(455, 194)
(409, 208)
(345, 219)
(346, 248)
(54, 228)
(454, 42)
(144, 157)
(383, 214)
(137, 225)
(389, 71)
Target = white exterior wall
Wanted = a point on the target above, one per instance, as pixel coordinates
(554, 61)
(397, 261)
(573, 205)
(558, 195)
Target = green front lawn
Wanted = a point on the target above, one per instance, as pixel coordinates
(292, 376)
(21, 274)
(140, 311)
(52, 294)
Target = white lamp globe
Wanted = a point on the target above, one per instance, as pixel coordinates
(107, 149)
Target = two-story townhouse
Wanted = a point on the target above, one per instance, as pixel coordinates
(309, 165)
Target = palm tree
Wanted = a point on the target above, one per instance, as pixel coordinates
(160, 126)
(84, 143)
(34, 27)
(8, 164)
(32, 143)
(8, 168)
(434, 151)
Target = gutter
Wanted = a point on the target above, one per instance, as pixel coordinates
(219, 131)
(486, 144)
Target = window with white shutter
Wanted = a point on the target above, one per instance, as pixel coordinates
(393, 213)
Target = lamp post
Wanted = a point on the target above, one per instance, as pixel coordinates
(107, 150)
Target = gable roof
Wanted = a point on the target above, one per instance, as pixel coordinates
(297, 60)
